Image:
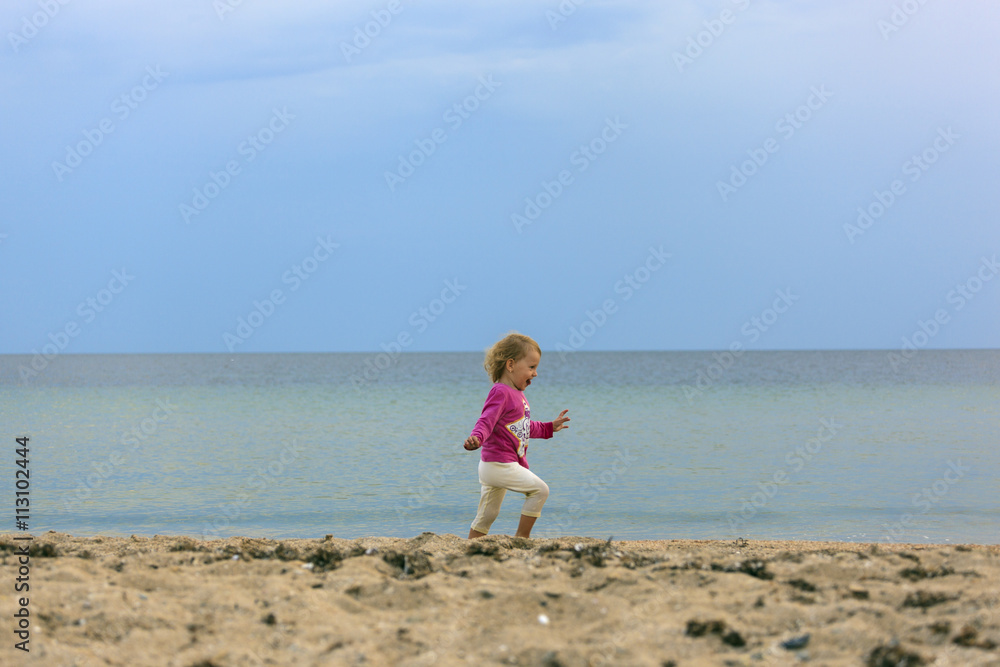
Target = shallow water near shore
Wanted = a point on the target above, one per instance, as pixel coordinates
(699, 445)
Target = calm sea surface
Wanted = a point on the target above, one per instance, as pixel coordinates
(796, 445)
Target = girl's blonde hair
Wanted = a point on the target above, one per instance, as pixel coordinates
(513, 346)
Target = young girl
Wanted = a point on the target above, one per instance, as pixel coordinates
(503, 431)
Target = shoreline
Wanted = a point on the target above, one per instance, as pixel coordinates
(69, 539)
(443, 599)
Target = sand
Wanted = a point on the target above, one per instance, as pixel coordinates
(444, 600)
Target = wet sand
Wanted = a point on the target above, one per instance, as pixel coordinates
(444, 600)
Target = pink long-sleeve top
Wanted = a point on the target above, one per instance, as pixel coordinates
(505, 426)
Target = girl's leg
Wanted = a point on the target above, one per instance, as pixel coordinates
(535, 497)
(516, 478)
(490, 498)
(525, 525)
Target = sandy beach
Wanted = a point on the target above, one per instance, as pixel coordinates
(444, 600)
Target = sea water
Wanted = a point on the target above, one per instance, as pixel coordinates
(856, 445)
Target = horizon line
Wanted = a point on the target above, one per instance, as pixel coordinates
(411, 352)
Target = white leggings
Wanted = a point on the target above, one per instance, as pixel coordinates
(496, 479)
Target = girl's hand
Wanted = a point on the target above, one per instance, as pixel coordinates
(472, 443)
(559, 423)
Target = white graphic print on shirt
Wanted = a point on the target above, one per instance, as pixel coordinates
(522, 429)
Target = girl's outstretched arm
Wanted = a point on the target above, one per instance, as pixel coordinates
(492, 409)
(559, 422)
(548, 429)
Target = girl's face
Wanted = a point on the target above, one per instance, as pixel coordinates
(520, 373)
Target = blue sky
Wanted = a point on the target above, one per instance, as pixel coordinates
(240, 201)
